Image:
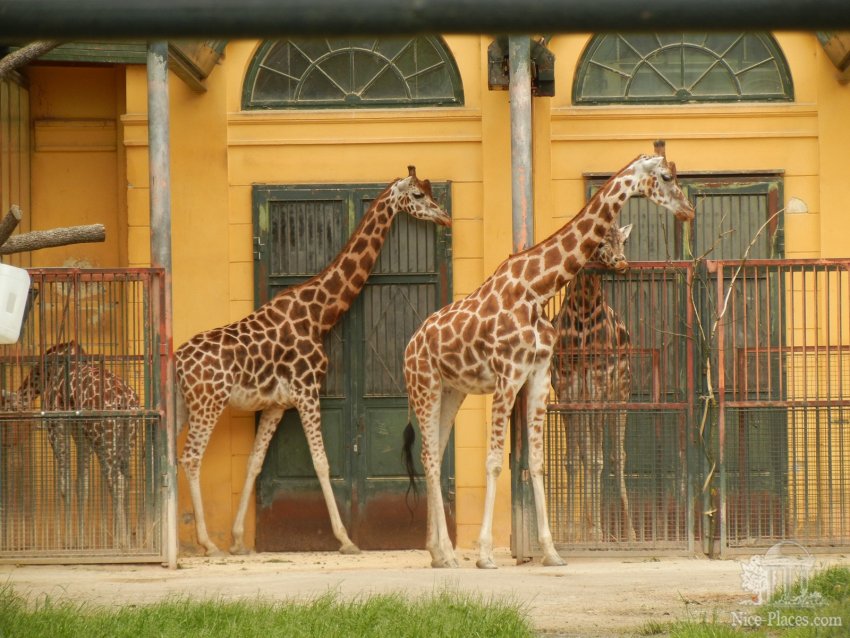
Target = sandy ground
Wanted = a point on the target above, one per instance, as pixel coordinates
(590, 596)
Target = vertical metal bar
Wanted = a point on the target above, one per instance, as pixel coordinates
(523, 523)
(160, 201)
(519, 52)
(722, 517)
(690, 457)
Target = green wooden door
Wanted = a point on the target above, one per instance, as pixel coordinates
(298, 231)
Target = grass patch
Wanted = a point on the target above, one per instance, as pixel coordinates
(829, 620)
(442, 614)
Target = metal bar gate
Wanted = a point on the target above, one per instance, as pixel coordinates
(633, 458)
(82, 446)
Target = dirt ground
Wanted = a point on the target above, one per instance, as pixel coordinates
(591, 596)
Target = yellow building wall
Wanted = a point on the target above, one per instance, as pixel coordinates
(90, 165)
(15, 156)
(78, 161)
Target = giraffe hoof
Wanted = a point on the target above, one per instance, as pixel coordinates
(444, 563)
(553, 560)
(349, 549)
(215, 552)
(241, 550)
(486, 563)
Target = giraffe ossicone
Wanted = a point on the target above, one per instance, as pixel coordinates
(274, 358)
(498, 340)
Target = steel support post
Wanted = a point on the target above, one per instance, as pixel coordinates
(523, 519)
(160, 238)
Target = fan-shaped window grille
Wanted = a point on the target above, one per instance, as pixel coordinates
(662, 68)
(347, 73)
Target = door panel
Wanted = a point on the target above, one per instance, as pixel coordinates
(364, 402)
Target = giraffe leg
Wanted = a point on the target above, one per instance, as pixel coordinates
(84, 452)
(572, 462)
(269, 420)
(438, 541)
(311, 421)
(503, 401)
(620, 462)
(59, 439)
(537, 392)
(593, 476)
(449, 405)
(200, 429)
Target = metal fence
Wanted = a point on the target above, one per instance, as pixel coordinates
(617, 437)
(764, 347)
(82, 455)
(783, 390)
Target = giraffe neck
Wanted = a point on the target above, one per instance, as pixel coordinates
(343, 279)
(585, 294)
(562, 255)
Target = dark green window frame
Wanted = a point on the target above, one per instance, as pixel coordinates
(682, 68)
(352, 73)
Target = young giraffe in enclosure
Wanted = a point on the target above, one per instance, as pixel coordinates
(66, 383)
(274, 359)
(498, 340)
(589, 367)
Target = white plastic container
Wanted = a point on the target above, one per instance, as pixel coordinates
(14, 286)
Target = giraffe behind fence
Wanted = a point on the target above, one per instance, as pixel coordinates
(65, 383)
(591, 366)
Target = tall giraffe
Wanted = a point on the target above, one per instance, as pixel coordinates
(590, 367)
(498, 340)
(66, 382)
(274, 358)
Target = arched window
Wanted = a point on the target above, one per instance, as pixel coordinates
(662, 68)
(352, 73)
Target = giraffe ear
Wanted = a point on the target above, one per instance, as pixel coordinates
(626, 231)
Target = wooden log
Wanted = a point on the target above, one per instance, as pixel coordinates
(25, 55)
(9, 223)
(39, 239)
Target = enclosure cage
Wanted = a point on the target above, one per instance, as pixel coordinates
(82, 441)
(734, 429)
(618, 424)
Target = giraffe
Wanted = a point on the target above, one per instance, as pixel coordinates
(589, 367)
(64, 382)
(497, 340)
(274, 359)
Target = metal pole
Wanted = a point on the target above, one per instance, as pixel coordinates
(160, 202)
(523, 521)
(522, 203)
(27, 20)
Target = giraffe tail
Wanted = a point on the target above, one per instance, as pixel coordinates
(407, 459)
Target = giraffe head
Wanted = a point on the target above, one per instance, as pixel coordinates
(656, 180)
(414, 197)
(611, 252)
(33, 384)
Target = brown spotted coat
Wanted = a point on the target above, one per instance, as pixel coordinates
(591, 365)
(274, 359)
(64, 382)
(498, 340)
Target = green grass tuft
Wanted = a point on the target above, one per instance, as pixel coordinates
(441, 614)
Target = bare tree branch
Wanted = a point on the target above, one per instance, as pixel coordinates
(25, 55)
(38, 239)
(9, 223)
